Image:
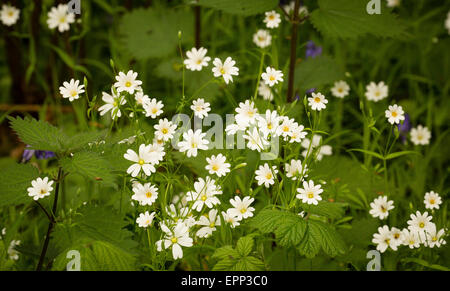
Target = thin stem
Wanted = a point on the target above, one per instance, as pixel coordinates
(51, 224)
(149, 242)
(198, 26)
(259, 74)
(293, 57)
(50, 217)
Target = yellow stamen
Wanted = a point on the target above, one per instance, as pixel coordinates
(128, 84)
(141, 162)
(174, 240)
(148, 194)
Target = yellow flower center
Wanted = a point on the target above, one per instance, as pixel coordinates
(272, 78)
(204, 198)
(215, 167)
(148, 194)
(154, 110)
(434, 238)
(199, 108)
(272, 17)
(310, 195)
(43, 191)
(212, 224)
(421, 225)
(115, 104)
(174, 240)
(383, 209)
(62, 19)
(394, 114)
(340, 90)
(269, 176)
(243, 210)
(164, 131)
(387, 241)
(269, 125)
(141, 162)
(285, 128)
(128, 84)
(411, 242)
(432, 201)
(10, 13)
(147, 221)
(194, 145)
(250, 113)
(396, 236)
(199, 61)
(222, 71)
(317, 99)
(73, 93)
(377, 93)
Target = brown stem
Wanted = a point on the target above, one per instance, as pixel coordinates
(198, 26)
(50, 217)
(293, 57)
(51, 224)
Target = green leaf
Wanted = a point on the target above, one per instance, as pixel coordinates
(425, 264)
(330, 240)
(69, 61)
(402, 153)
(291, 231)
(349, 19)
(248, 264)
(244, 246)
(40, 135)
(316, 72)
(310, 244)
(226, 252)
(82, 139)
(97, 256)
(141, 29)
(331, 210)
(239, 7)
(371, 153)
(88, 164)
(14, 181)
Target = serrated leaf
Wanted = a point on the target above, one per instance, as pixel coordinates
(310, 244)
(82, 139)
(244, 246)
(291, 231)
(248, 264)
(40, 135)
(239, 7)
(226, 252)
(315, 72)
(330, 240)
(97, 256)
(328, 209)
(14, 181)
(350, 19)
(88, 164)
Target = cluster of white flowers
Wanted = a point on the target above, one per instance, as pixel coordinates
(12, 252)
(9, 15)
(420, 231)
(197, 59)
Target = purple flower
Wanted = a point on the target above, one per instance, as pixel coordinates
(310, 91)
(404, 128)
(312, 50)
(40, 155)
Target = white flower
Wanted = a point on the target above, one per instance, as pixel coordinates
(380, 207)
(226, 69)
(247, 113)
(204, 193)
(145, 219)
(397, 237)
(145, 194)
(296, 133)
(411, 239)
(432, 200)
(71, 90)
(269, 123)
(434, 238)
(175, 238)
(383, 239)
(40, 188)
(142, 161)
(164, 130)
(128, 82)
(420, 135)
(393, 3)
(231, 218)
(235, 127)
(265, 92)
(12, 253)
(192, 142)
(241, 208)
(286, 126)
(310, 193)
(324, 150)
(141, 98)
(216, 165)
(376, 92)
(420, 222)
(256, 141)
(295, 170)
(394, 114)
(200, 108)
(272, 76)
(289, 8)
(317, 101)
(272, 19)
(209, 223)
(340, 89)
(153, 108)
(262, 38)
(447, 22)
(113, 103)
(59, 17)
(156, 153)
(266, 175)
(9, 15)
(196, 59)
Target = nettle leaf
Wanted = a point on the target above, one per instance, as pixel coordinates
(331, 210)
(310, 244)
(316, 72)
(267, 220)
(40, 135)
(88, 164)
(79, 140)
(248, 264)
(331, 242)
(350, 19)
(239, 7)
(14, 181)
(97, 256)
(226, 252)
(244, 246)
(153, 33)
